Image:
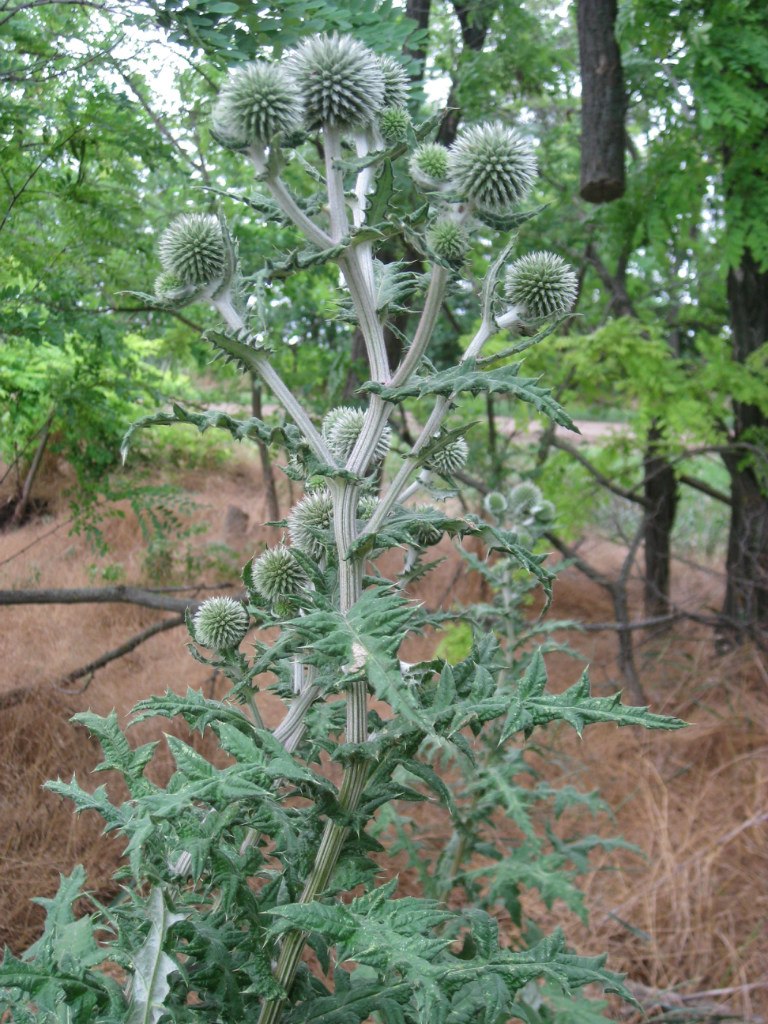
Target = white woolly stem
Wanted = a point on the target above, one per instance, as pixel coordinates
(290, 207)
(334, 177)
(261, 365)
(432, 304)
(397, 488)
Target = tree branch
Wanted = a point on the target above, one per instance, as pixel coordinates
(118, 652)
(98, 595)
(603, 480)
(48, 3)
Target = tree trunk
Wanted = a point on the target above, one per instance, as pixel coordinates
(22, 505)
(603, 103)
(746, 596)
(661, 494)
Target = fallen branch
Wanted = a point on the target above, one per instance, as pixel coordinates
(99, 595)
(117, 652)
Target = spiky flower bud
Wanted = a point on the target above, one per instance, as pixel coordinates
(495, 504)
(277, 574)
(396, 82)
(170, 290)
(220, 623)
(340, 81)
(309, 520)
(449, 241)
(367, 506)
(341, 429)
(450, 457)
(541, 285)
(193, 249)
(492, 165)
(257, 101)
(523, 498)
(424, 534)
(429, 165)
(545, 512)
(394, 123)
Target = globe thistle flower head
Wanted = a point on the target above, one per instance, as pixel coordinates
(425, 535)
(493, 166)
(170, 290)
(341, 429)
(394, 123)
(449, 241)
(429, 165)
(367, 506)
(396, 82)
(452, 456)
(220, 623)
(524, 498)
(193, 249)
(257, 101)
(277, 574)
(541, 285)
(545, 513)
(340, 81)
(308, 520)
(496, 504)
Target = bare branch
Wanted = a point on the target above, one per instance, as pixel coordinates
(118, 652)
(98, 595)
(603, 480)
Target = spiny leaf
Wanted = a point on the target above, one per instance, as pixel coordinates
(253, 428)
(531, 706)
(118, 753)
(467, 377)
(152, 967)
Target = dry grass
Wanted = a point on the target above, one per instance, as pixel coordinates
(691, 915)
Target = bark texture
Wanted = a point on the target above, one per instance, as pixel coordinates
(661, 494)
(603, 103)
(745, 606)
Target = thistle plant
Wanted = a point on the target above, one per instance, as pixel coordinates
(232, 872)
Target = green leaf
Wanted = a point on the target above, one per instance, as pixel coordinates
(253, 428)
(467, 377)
(118, 753)
(532, 707)
(152, 967)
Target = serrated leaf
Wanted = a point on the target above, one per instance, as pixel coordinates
(532, 707)
(118, 753)
(252, 428)
(333, 922)
(468, 377)
(152, 967)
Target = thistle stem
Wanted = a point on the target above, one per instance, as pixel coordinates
(290, 207)
(432, 305)
(261, 365)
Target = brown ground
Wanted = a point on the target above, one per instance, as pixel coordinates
(693, 914)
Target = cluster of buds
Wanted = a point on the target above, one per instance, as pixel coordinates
(524, 508)
(335, 82)
(335, 85)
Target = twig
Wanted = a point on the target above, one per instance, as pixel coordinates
(603, 480)
(37, 540)
(113, 655)
(97, 595)
(49, 3)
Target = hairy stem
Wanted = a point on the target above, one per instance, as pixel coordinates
(260, 365)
